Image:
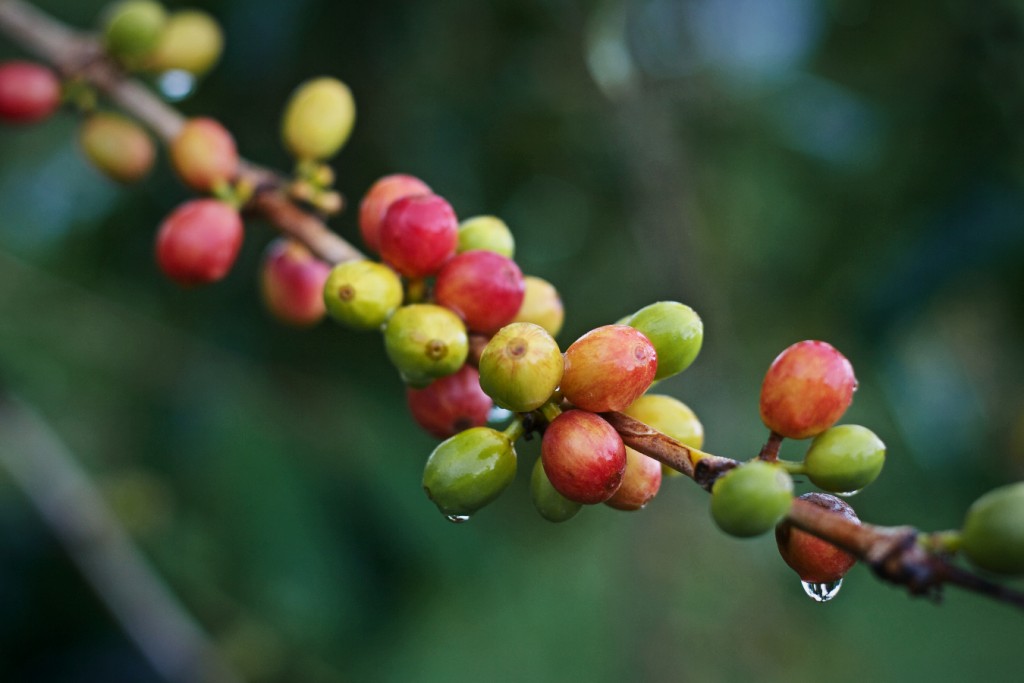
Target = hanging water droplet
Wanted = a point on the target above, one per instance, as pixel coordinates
(848, 494)
(457, 519)
(176, 84)
(822, 592)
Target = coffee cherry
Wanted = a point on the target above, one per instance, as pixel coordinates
(608, 368)
(292, 283)
(483, 287)
(489, 233)
(583, 456)
(815, 560)
(451, 404)
(845, 458)
(806, 390)
(29, 92)
(191, 41)
(318, 118)
(671, 417)
(469, 470)
(117, 146)
(425, 342)
(418, 235)
(131, 29)
(378, 200)
(204, 154)
(521, 367)
(751, 499)
(541, 305)
(993, 533)
(676, 332)
(362, 294)
(640, 482)
(199, 241)
(551, 504)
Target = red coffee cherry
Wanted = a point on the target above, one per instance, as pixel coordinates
(640, 482)
(199, 241)
(484, 288)
(815, 560)
(608, 368)
(583, 456)
(418, 235)
(29, 92)
(379, 198)
(204, 154)
(451, 404)
(806, 390)
(292, 283)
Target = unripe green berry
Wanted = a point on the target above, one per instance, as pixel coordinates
(521, 367)
(362, 294)
(541, 305)
(993, 533)
(469, 470)
(844, 458)
(551, 504)
(318, 118)
(425, 342)
(117, 146)
(676, 331)
(751, 499)
(671, 417)
(488, 233)
(131, 29)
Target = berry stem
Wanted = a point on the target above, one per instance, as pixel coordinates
(770, 450)
(515, 430)
(792, 467)
(550, 411)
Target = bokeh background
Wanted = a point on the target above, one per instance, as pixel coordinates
(847, 170)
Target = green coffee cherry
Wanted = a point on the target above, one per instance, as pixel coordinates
(993, 533)
(751, 499)
(117, 146)
(191, 41)
(318, 118)
(362, 294)
(521, 367)
(489, 233)
(845, 458)
(131, 29)
(425, 342)
(467, 471)
(676, 332)
(551, 504)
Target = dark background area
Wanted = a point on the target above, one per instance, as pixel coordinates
(846, 170)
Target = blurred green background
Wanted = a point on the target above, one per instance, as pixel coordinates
(847, 170)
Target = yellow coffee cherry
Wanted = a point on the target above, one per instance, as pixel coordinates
(191, 41)
(318, 118)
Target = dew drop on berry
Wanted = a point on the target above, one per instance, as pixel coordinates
(822, 592)
(457, 519)
(848, 494)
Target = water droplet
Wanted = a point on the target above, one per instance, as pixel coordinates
(176, 84)
(822, 592)
(457, 519)
(848, 494)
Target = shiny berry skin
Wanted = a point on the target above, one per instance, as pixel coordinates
(751, 499)
(469, 470)
(520, 367)
(551, 504)
(362, 294)
(29, 92)
(379, 198)
(318, 118)
(676, 332)
(117, 146)
(418, 235)
(486, 232)
(450, 404)
(844, 458)
(425, 342)
(292, 283)
(484, 288)
(671, 417)
(198, 242)
(993, 533)
(608, 368)
(204, 154)
(132, 28)
(640, 482)
(191, 41)
(583, 456)
(815, 560)
(806, 390)
(541, 305)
